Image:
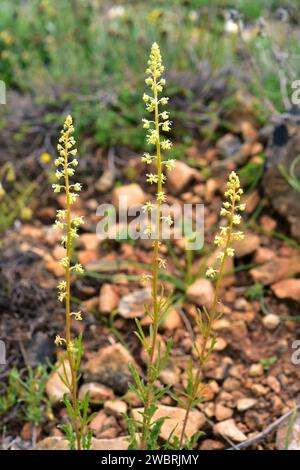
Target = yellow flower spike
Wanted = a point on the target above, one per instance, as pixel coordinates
(205, 322)
(158, 124)
(65, 164)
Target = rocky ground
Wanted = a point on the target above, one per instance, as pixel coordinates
(250, 378)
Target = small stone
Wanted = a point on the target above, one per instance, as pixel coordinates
(229, 429)
(86, 257)
(55, 389)
(60, 443)
(170, 376)
(98, 393)
(27, 431)
(268, 223)
(221, 372)
(242, 304)
(247, 246)
(220, 345)
(277, 404)
(257, 148)
(259, 390)
(249, 133)
(244, 404)
(53, 443)
(201, 292)
(118, 443)
(133, 304)
(97, 422)
(115, 407)
(239, 329)
(256, 370)
(273, 271)
(53, 266)
(251, 200)
(179, 177)
(229, 146)
(274, 384)
(263, 255)
(109, 366)
(271, 321)
(108, 299)
(222, 412)
(207, 408)
(287, 289)
(211, 187)
(172, 320)
(175, 422)
(210, 444)
(208, 392)
(132, 399)
(231, 384)
(90, 241)
(222, 325)
(58, 252)
(130, 195)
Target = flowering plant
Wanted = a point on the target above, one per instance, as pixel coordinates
(205, 319)
(156, 359)
(70, 361)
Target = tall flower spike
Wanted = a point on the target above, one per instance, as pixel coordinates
(65, 164)
(155, 125)
(230, 210)
(205, 321)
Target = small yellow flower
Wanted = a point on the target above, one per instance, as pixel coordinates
(61, 296)
(224, 212)
(147, 207)
(78, 268)
(230, 251)
(211, 272)
(148, 231)
(154, 15)
(59, 341)
(161, 197)
(237, 219)
(166, 144)
(64, 262)
(170, 164)
(45, 157)
(146, 278)
(62, 285)
(168, 220)
(146, 123)
(238, 236)
(151, 178)
(147, 158)
(77, 315)
(162, 264)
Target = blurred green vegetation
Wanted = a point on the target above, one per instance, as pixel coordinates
(90, 55)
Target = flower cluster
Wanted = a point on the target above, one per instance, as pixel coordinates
(65, 164)
(227, 232)
(160, 122)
